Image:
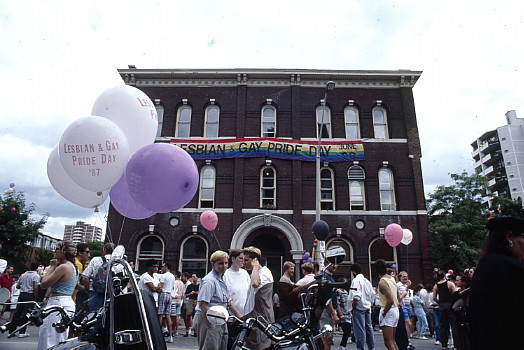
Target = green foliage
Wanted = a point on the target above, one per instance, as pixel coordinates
(44, 256)
(95, 248)
(17, 228)
(457, 220)
(505, 206)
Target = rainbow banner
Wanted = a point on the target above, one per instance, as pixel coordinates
(330, 151)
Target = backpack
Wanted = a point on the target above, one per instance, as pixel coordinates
(100, 278)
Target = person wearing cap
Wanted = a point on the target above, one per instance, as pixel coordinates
(496, 304)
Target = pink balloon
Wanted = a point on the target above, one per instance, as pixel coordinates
(450, 271)
(393, 234)
(209, 220)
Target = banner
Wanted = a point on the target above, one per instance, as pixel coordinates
(330, 151)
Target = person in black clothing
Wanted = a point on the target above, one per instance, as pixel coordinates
(496, 304)
(443, 292)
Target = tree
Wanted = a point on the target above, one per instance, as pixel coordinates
(17, 228)
(457, 219)
(505, 206)
(95, 248)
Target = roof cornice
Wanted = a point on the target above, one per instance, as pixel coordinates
(269, 77)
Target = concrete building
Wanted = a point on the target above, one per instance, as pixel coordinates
(82, 232)
(263, 187)
(499, 155)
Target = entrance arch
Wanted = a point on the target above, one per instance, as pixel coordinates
(267, 220)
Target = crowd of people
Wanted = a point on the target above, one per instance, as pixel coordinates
(479, 308)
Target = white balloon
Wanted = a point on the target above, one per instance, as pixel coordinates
(94, 152)
(133, 111)
(407, 237)
(67, 188)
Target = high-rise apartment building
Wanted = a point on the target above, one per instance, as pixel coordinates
(499, 155)
(82, 232)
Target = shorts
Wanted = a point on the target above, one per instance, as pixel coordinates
(406, 310)
(391, 318)
(176, 309)
(325, 319)
(164, 303)
(190, 307)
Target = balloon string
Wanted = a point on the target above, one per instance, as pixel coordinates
(123, 222)
(108, 230)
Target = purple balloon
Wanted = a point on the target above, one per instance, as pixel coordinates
(162, 177)
(12, 184)
(125, 204)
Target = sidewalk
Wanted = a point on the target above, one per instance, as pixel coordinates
(185, 343)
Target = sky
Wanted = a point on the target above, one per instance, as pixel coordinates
(57, 57)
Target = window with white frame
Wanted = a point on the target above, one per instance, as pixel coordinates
(356, 177)
(212, 119)
(160, 117)
(380, 123)
(193, 255)
(183, 124)
(269, 121)
(324, 122)
(380, 249)
(268, 187)
(386, 187)
(207, 187)
(149, 247)
(352, 123)
(327, 189)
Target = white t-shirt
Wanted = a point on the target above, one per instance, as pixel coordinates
(178, 291)
(307, 279)
(409, 296)
(238, 284)
(265, 277)
(145, 278)
(169, 282)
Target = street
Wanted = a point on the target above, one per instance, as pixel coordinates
(184, 343)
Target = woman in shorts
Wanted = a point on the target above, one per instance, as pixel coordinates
(388, 299)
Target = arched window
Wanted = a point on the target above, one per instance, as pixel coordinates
(327, 189)
(183, 125)
(269, 121)
(386, 187)
(352, 123)
(160, 117)
(357, 194)
(212, 119)
(207, 187)
(380, 123)
(380, 249)
(149, 247)
(194, 253)
(268, 188)
(324, 121)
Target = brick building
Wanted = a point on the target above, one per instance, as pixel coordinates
(251, 131)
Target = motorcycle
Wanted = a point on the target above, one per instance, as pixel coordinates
(298, 331)
(127, 319)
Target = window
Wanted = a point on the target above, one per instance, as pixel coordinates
(269, 121)
(268, 184)
(194, 253)
(352, 123)
(324, 120)
(327, 191)
(183, 124)
(207, 187)
(150, 247)
(380, 125)
(387, 193)
(380, 249)
(212, 118)
(160, 117)
(356, 177)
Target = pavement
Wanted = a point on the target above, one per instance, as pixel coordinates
(185, 343)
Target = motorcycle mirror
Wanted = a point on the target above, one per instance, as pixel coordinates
(335, 254)
(119, 252)
(4, 295)
(217, 315)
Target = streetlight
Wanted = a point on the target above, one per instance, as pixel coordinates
(329, 87)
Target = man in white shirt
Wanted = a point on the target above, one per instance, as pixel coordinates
(149, 283)
(96, 298)
(309, 274)
(406, 295)
(361, 297)
(260, 299)
(167, 283)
